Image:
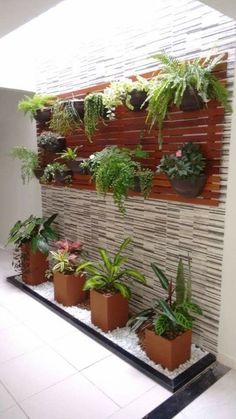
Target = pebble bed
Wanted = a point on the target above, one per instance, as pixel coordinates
(123, 337)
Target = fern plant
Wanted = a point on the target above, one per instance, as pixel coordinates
(169, 86)
(29, 162)
(35, 103)
(93, 113)
(172, 315)
(109, 274)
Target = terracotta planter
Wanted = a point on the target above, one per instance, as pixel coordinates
(75, 166)
(108, 311)
(191, 100)
(168, 353)
(137, 99)
(34, 265)
(188, 187)
(38, 173)
(68, 289)
(58, 145)
(43, 116)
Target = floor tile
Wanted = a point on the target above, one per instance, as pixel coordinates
(80, 350)
(73, 398)
(121, 382)
(6, 400)
(144, 404)
(7, 319)
(33, 372)
(16, 341)
(13, 413)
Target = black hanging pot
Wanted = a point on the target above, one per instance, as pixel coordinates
(75, 166)
(136, 186)
(60, 176)
(189, 188)
(56, 146)
(38, 173)
(43, 116)
(137, 100)
(79, 107)
(191, 100)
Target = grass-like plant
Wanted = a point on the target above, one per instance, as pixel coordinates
(93, 113)
(29, 162)
(65, 119)
(110, 274)
(37, 102)
(169, 86)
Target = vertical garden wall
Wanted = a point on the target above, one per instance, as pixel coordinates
(162, 229)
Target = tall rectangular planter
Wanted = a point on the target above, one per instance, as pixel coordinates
(168, 353)
(108, 311)
(34, 265)
(68, 289)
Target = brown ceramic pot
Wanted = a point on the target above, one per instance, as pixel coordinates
(34, 265)
(68, 289)
(108, 311)
(168, 353)
(191, 100)
(188, 187)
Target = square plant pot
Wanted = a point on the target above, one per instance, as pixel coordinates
(34, 265)
(68, 289)
(108, 311)
(168, 353)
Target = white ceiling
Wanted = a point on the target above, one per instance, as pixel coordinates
(14, 13)
(227, 7)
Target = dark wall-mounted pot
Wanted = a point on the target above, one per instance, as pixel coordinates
(188, 187)
(75, 166)
(137, 100)
(43, 116)
(57, 146)
(61, 176)
(191, 101)
(38, 173)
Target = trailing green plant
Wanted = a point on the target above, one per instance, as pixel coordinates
(51, 171)
(65, 119)
(114, 169)
(69, 154)
(172, 315)
(109, 274)
(169, 86)
(30, 161)
(35, 103)
(48, 138)
(93, 113)
(187, 163)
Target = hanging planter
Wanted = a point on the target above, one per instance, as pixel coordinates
(38, 107)
(189, 187)
(56, 172)
(38, 173)
(43, 116)
(51, 141)
(191, 100)
(77, 166)
(137, 100)
(63, 176)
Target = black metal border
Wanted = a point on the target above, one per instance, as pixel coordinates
(170, 384)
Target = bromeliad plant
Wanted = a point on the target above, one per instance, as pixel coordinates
(172, 315)
(35, 103)
(114, 169)
(30, 161)
(108, 275)
(178, 77)
(93, 113)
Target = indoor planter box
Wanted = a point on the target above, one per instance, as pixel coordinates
(108, 311)
(68, 289)
(189, 187)
(43, 115)
(34, 265)
(168, 353)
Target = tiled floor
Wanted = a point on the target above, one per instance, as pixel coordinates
(50, 370)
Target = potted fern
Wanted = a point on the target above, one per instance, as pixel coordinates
(185, 170)
(38, 107)
(114, 169)
(109, 293)
(168, 323)
(30, 160)
(68, 285)
(189, 85)
(30, 238)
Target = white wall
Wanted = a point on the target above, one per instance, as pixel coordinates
(227, 333)
(17, 201)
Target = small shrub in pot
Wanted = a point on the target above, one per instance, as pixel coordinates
(51, 141)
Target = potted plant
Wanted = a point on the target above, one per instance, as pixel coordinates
(114, 169)
(109, 293)
(189, 85)
(65, 117)
(38, 107)
(56, 172)
(168, 324)
(73, 161)
(31, 238)
(68, 284)
(94, 112)
(185, 170)
(51, 141)
(30, 166)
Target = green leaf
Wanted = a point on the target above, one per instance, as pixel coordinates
(94, 283)
(161, 276)
(123, 289)
(105, 258)
(123, 245)
(42, 245)
(138, 276)
(83, 266)
(50, 220)
(180, 283)
(183, 321)
(167, 310)
(161, 324)
(195, 308)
